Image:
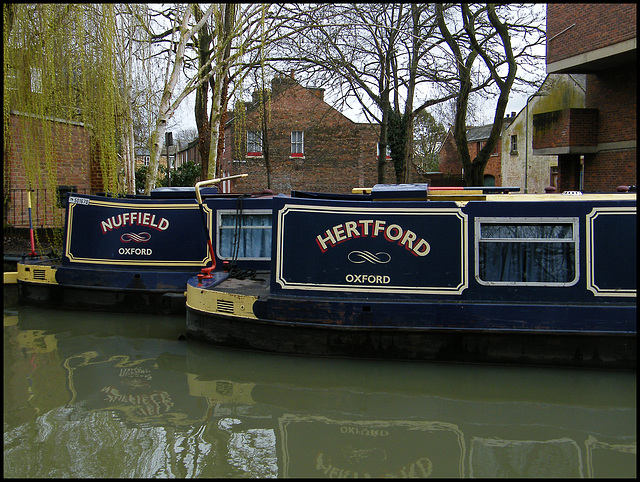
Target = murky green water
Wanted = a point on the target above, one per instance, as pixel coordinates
(98, 395)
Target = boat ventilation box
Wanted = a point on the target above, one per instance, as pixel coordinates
(400, 192)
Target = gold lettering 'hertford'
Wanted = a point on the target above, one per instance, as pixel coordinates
(134, 218)
(373, 228)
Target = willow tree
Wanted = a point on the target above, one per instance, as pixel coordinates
(59, 65)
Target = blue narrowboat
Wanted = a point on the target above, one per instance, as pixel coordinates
(136, 253)
(405, 272)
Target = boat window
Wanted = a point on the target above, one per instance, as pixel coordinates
(244, 235)
(527, 251)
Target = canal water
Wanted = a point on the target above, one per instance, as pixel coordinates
(104, 395)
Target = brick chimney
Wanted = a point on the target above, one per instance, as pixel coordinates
(281, 83)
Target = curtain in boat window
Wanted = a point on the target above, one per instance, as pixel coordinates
(527, 253)
(245, 236)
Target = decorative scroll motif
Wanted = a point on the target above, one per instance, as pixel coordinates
(136, 238)
(358, 257)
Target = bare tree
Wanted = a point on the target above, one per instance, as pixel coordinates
(486, 36)
(378, 52)
(129, 51)
(394, 60)
(178, 34)
(234, 45)
(428, 135)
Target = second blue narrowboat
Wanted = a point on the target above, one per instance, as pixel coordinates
(402, 272)
(136, 253)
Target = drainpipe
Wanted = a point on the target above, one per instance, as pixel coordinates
(526, 141)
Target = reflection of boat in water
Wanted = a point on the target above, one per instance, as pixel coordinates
(272, 415)
(135, 254)
(409, 274)
(360, 418)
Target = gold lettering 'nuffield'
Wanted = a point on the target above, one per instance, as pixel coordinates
(373, 228)
(134, 218)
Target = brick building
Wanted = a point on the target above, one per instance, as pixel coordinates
(311, 146)
(596, 145)
(75, 168)
(520, 167)
(449, 159)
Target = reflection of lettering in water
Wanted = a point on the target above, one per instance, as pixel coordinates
(137, 372)
(423, 467)
(365, 431)
(354, 455)
(153, 403)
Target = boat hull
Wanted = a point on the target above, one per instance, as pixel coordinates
(584, 350)
(96, 298)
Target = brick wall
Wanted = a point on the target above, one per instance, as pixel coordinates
(449, 159)
(595, 25)
(613, 93)
(607, 170)
(339, 154)
(565, 128)
(611, 90)
(71, 151)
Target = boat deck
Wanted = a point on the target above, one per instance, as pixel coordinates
(257, 285)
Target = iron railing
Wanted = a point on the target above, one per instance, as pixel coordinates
(47, 210)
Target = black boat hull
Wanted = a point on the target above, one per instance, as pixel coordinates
(96, 298)
(582, 350)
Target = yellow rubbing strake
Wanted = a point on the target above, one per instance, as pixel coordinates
(36, 273)
(221, 303)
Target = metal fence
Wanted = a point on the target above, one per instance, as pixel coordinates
(47, 208)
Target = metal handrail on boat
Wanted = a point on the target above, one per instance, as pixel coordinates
(206, 272)
(214, 181)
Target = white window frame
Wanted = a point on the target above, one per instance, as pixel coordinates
(575, 240)
(256, 141)
(378, 151)
(12, 79)
(297, 146)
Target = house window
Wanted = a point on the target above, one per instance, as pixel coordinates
(378, 151)
(36, 80)
(297, 144)
(534, 252)
(244, 235)
(254, 143)
(11, 79)
(514, 144)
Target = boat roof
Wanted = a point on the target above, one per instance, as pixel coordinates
(423, 192)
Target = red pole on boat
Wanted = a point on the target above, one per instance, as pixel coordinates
(33, 244)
